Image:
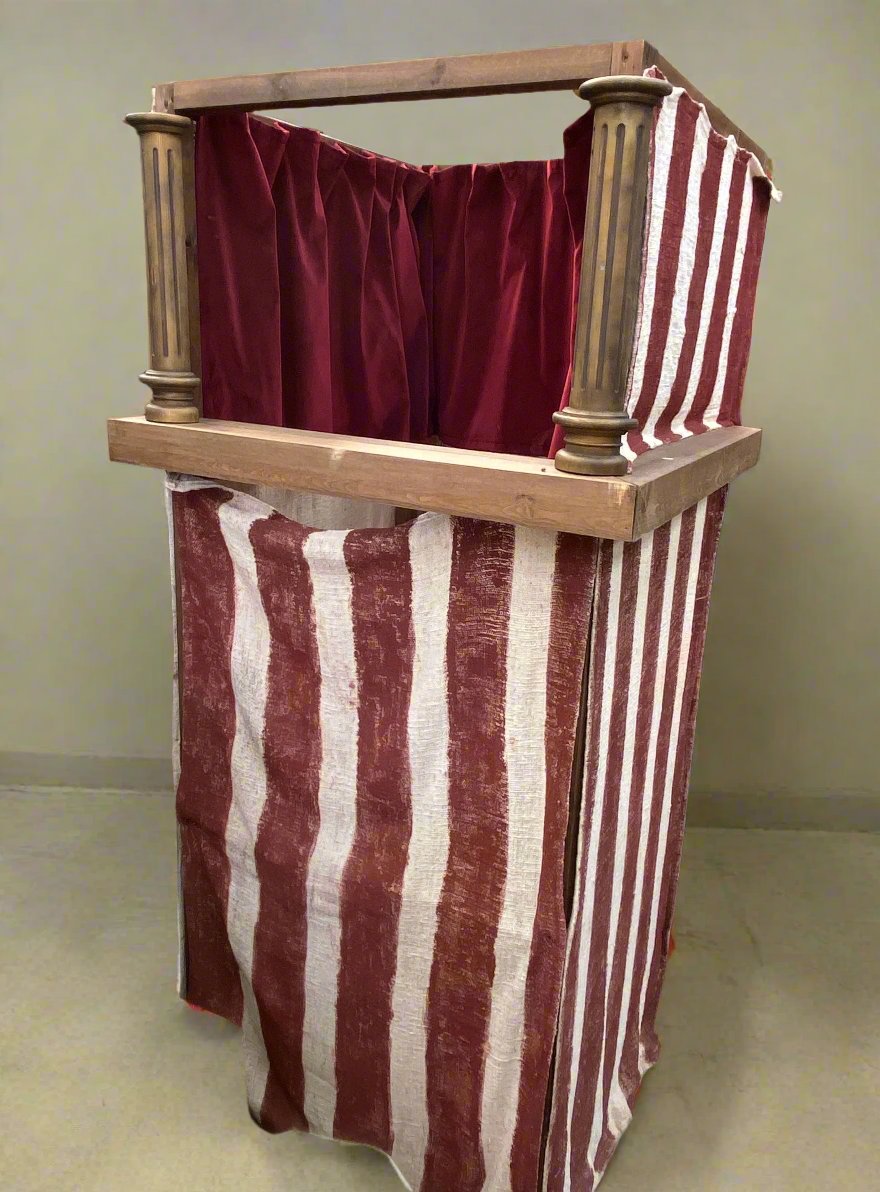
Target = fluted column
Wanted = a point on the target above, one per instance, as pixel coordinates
(595, 420)
(170, 377)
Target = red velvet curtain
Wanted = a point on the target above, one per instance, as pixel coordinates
(344, 291)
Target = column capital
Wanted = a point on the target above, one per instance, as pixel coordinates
(639, 89)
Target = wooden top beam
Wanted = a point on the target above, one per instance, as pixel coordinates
(556, 69)
(508, 488)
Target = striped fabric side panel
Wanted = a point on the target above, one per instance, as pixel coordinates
(401, 706)
(176, 732)
(286, 833)
(707, 213)
(206, 613)
(199, 599)
(646, 651)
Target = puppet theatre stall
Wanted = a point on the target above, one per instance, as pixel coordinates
(447, 454)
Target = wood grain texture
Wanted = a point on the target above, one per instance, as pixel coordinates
(163, 97)
(519, 489)
(671, 478)
(588, 436)
(559, 68)
(628, 57)
(555, 69)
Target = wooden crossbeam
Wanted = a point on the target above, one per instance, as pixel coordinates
(509, 488)
(558, 68)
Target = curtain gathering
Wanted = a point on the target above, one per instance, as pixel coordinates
(343, 291)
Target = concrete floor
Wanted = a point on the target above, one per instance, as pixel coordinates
(770, 1022)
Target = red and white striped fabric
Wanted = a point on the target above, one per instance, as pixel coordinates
(646, 648)
(707, 212)
(378, 730)
(377, 739)
(704, 234)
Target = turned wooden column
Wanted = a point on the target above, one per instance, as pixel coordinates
(174, 385)
(595, 420)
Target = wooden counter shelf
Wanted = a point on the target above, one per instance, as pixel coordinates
(509, 488)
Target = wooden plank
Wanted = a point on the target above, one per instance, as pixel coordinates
(672, 478)
(557, 69)
(628, 57)
(509, 488)
(163, 97)
(721, 122)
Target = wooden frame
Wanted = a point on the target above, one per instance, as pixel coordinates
(519, 489)
(608, 75)
(560, 68)
(599, 498)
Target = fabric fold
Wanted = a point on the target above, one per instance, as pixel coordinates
(344, 291)
(380, 808)
(348, 292)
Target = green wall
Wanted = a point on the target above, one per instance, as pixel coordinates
(789, 688)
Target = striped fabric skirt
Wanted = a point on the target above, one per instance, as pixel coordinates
(379, 731)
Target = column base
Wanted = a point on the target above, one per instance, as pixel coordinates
(173, 396)
(153, 412)
(592, 442)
